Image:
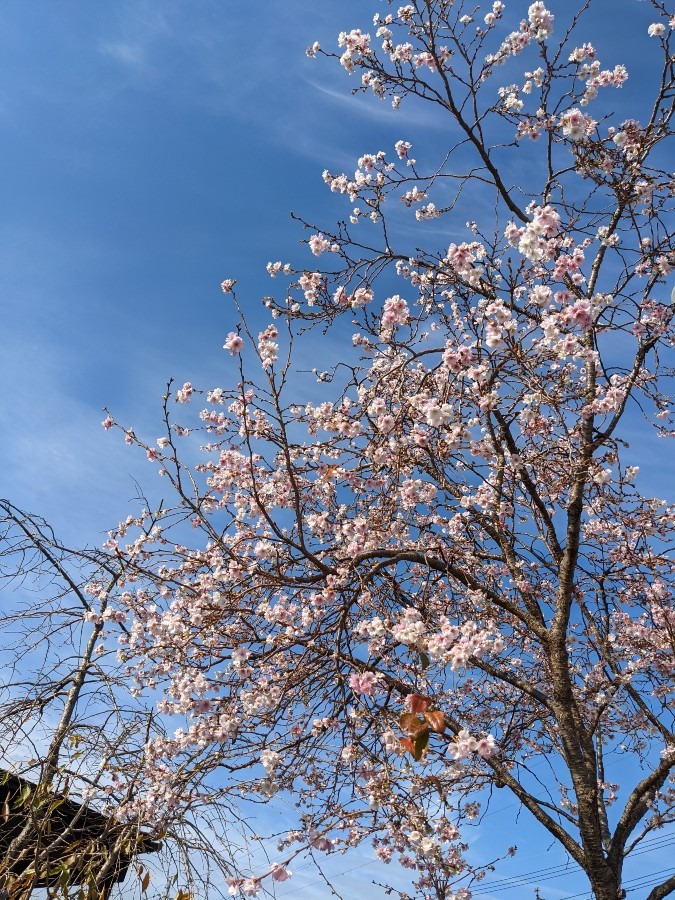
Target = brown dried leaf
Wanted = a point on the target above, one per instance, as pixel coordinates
(436, 720)
(418, 703)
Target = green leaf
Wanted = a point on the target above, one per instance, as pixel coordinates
(23, 796)
(412, 724)
(421, 744)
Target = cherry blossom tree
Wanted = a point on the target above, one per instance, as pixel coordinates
(434, 568)
(72, 734)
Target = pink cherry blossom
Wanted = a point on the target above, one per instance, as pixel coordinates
(234, 343)
(363, 683)
(541, 21)
(318, 244)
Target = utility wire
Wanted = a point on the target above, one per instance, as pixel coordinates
(506, 883)
(633, 884)
(534, 876)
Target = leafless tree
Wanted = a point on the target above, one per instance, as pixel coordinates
(71, 730)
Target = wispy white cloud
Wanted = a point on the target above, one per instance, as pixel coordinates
(139, 32)
(133, 55)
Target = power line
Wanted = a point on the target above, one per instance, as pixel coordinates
(321, 880)
(564, 869)
(534, 876)
(631, 885)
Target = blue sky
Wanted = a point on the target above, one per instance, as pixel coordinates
(150, 149)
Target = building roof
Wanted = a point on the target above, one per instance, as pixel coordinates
(73, 839)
